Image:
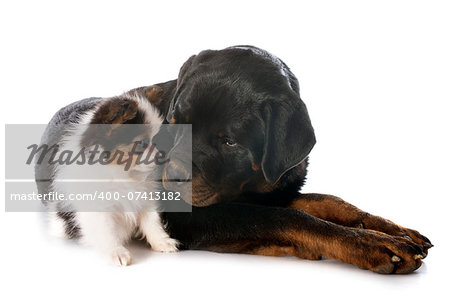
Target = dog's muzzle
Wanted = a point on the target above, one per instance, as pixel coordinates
(177, 177)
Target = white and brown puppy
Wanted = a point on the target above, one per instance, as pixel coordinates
(113, 217)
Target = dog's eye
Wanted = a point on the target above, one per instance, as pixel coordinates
(229, 142)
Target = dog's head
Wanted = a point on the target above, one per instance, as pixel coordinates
(249, 125)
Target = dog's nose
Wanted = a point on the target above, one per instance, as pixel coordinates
(174, 172)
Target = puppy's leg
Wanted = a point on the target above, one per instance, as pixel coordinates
(106, 232)
(334, 209)
(153, 230)
(56, 225)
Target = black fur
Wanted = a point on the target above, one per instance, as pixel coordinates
(246, 96)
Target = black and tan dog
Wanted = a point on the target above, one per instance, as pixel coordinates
(251, 138)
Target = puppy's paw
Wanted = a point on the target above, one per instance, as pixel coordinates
(121, 256)
(165, 245)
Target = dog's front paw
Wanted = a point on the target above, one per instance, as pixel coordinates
(120, 256)
(383, 225)
(385, 254)
(165, 245)
(419, 239)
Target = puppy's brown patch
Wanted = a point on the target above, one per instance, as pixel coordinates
(116, 110)
(154, 94)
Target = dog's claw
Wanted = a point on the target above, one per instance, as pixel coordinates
(427, 245)
(395, 259)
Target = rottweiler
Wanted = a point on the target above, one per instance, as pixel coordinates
(251, 137)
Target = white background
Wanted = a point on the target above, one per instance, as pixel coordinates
(374, 74)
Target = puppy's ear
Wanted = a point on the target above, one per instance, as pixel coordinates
(117, 110)
(111, 114)
(153, 94)
(289, 137)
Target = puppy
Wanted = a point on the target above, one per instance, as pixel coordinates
(100, 139)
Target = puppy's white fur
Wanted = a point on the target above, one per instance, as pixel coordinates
(56, 225)
(109, 231)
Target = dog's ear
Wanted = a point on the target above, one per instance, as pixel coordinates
(184, 70)
(289, 137)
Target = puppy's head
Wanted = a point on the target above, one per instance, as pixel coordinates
(121, 129)
(249, 125)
